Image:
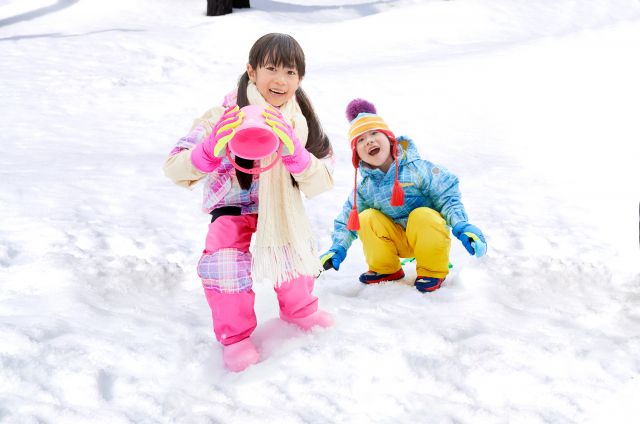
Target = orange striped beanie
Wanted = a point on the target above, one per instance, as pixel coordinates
(363, 117)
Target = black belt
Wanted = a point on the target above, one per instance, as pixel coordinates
(225, 210)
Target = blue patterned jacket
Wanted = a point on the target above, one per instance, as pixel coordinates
(424, 184)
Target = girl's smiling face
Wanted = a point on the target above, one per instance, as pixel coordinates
(374, 148)
(277, 84)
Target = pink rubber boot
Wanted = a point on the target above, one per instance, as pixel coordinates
(240, 355)
(299, 306)
(233, 322)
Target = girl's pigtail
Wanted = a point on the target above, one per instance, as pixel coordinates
(244, 180)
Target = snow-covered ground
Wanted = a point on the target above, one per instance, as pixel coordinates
(532, 104)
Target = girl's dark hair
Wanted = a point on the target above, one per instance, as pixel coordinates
(282, 50)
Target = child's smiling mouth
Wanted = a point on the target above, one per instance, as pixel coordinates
(278, 92)
(374, 151)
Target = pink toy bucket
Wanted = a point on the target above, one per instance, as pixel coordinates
(254, 140)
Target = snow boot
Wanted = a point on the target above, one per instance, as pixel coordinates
(299, 306)
(371, 277)
(240, 355)
(318, 318)
(428, 284)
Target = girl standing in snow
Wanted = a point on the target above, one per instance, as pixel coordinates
(267, 204)
(393, 222)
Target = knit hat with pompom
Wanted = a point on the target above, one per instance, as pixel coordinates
(363, 117)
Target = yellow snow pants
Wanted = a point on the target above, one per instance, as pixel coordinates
(426, 238)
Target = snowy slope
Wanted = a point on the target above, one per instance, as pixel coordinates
(532, 104)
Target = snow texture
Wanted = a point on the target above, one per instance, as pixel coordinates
(534, 105)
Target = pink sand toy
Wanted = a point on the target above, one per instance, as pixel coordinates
(254, 138)
(252, 134)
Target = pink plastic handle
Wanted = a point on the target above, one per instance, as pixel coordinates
(257, 170)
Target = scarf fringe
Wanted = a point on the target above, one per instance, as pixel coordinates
(284, 263)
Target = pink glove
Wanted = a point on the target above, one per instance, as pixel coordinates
(294, 156)
(208, 155)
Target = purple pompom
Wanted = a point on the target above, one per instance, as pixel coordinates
(357, 106)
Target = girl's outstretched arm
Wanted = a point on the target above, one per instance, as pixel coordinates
(441, 186)
(178, 166)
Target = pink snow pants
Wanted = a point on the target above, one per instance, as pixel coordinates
(225, 269)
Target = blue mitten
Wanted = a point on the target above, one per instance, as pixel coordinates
(333, 258)
(471, 237)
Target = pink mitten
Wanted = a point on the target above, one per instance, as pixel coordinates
(207, 155)
(294, 156)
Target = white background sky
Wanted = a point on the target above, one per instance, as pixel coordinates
(534, 105)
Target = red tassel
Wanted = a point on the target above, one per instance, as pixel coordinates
(353, 223)
(397, 195)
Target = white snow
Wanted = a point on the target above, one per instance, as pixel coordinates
(532, 104)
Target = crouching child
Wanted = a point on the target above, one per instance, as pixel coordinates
(401, 207)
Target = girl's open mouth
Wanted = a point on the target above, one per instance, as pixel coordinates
(374, 151)
(276, 91)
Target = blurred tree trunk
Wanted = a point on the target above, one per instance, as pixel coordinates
(223, 7)
(218, 7)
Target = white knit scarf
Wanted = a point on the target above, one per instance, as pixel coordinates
(284, 246)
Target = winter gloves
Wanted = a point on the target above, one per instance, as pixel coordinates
(207, 155)
(333, 258)
(294, 156)
(471, 237)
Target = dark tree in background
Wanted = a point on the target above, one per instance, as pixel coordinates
(223, 7)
